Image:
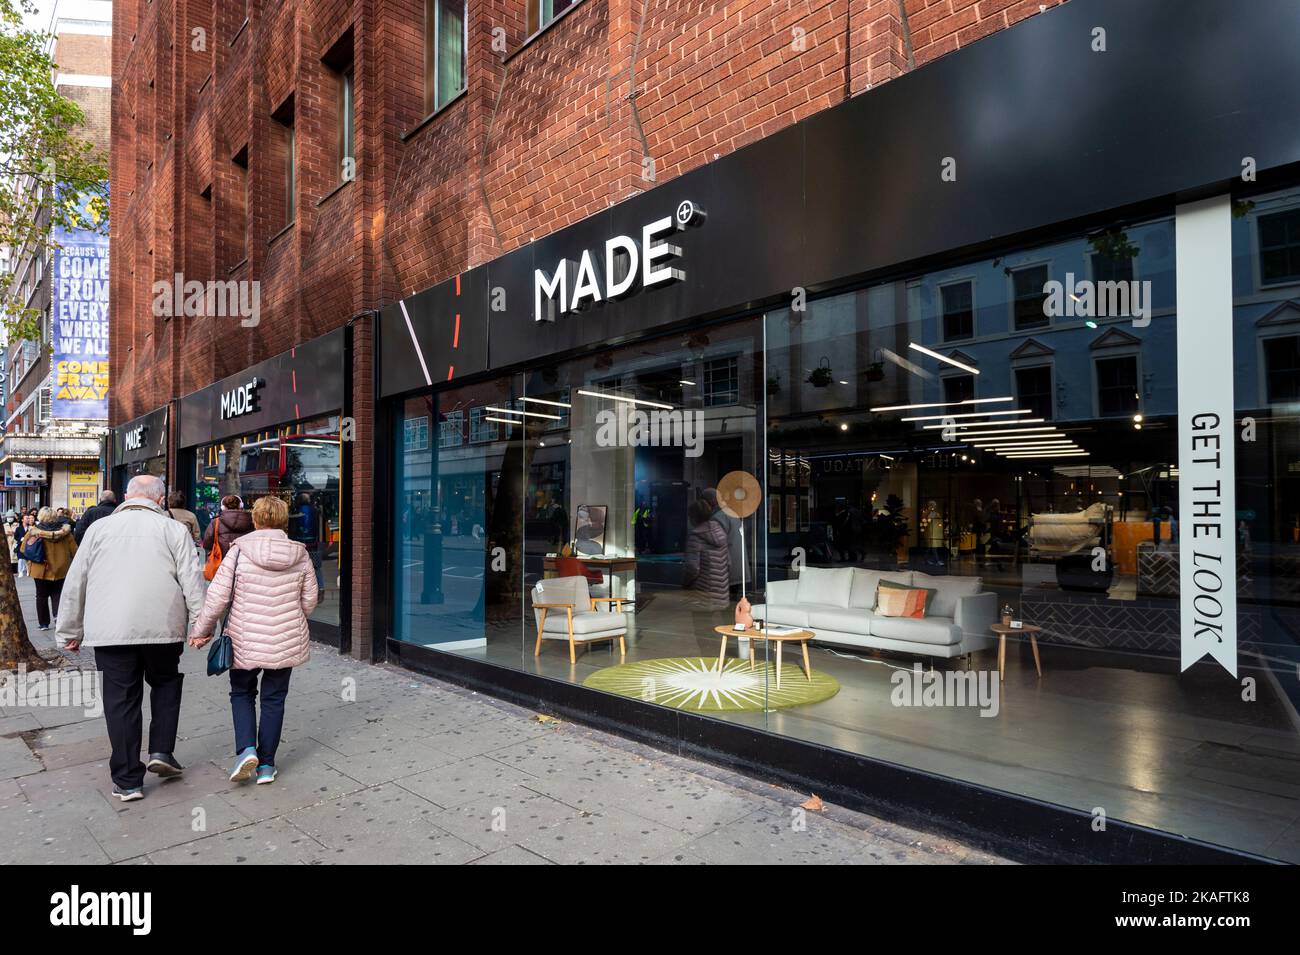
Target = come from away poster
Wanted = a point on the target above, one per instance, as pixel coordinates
(80, 374)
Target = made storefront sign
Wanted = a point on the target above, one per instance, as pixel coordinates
(134, 439)
(1207, 507)
(614, 271)
(304, 382)
(242, 400)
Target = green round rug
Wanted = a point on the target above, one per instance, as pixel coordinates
(693, 683)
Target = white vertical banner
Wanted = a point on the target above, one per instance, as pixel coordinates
(1207, 505)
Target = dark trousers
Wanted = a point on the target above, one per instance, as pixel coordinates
(243, 706)
(126, 669)
(47, 590)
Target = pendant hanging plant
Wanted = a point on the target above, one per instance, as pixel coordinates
(820, 377)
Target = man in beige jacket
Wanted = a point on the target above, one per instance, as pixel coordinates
(134, 589)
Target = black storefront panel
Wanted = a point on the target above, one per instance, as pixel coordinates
(140, 447)
(860, 188)
(304, 382)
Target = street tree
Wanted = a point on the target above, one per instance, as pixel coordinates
(50, 177)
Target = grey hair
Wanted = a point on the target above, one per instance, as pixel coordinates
(147, 486)
(108, 497)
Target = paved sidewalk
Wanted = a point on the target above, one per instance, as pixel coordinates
(413, 771)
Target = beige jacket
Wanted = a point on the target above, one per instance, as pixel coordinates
(136, 579)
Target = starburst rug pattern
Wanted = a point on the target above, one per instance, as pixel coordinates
(694, 683)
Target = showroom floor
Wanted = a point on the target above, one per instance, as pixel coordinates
(1120, 732)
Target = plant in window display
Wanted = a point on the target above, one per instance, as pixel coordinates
(820, 377)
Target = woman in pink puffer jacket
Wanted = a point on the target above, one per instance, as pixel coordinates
(269, 585)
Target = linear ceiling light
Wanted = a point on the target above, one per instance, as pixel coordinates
(488, 417)
(1033, 438)
(943, 404)
(982, 424)
(965, 414)
(907, 365)
(631, 401)
(989, 434)
(553, 404)
(1054, 446)
(526, 414)
(934, 354)
(1007, 452)
(1049, 454)
(995, 445)
(1029, 435)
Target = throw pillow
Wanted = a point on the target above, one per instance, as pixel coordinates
(867, 581)
(825, 585)
(949, 590)
(891, 585)
(900, 602)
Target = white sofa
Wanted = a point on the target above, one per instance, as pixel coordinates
(838, 605)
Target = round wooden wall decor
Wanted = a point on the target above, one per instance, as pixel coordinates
(739, 494)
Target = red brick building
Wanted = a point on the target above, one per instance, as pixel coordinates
(558, 110)
(39, 440)
(524, 291)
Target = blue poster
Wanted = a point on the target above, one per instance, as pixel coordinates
(79, 386)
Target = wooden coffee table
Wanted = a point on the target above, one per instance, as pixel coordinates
(1002, 632)
(780, 639)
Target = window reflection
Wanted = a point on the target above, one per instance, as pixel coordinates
(300, 462)
(960, 432)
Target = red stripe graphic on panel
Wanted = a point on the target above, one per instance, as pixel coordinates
(455, 334)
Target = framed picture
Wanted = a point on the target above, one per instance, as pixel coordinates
(589, 530)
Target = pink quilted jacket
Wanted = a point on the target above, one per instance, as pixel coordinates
(274, 590)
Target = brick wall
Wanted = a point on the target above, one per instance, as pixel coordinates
(613, 97)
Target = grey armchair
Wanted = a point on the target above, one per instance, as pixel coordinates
(565, 610)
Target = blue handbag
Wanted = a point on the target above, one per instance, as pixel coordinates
(34, 550)
(221, 654)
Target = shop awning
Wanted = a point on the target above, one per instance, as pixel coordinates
(39, 447)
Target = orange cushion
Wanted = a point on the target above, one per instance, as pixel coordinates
(897, 602)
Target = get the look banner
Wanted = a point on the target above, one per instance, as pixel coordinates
(1207, 504)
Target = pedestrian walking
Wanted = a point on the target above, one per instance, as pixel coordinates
(107, 504)
(269, 585)
(20, 532)
(132, 592)
(707, 567)
(12, 527)
(732, 526)
(179, 512)
(48, 548)
(231, 524)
